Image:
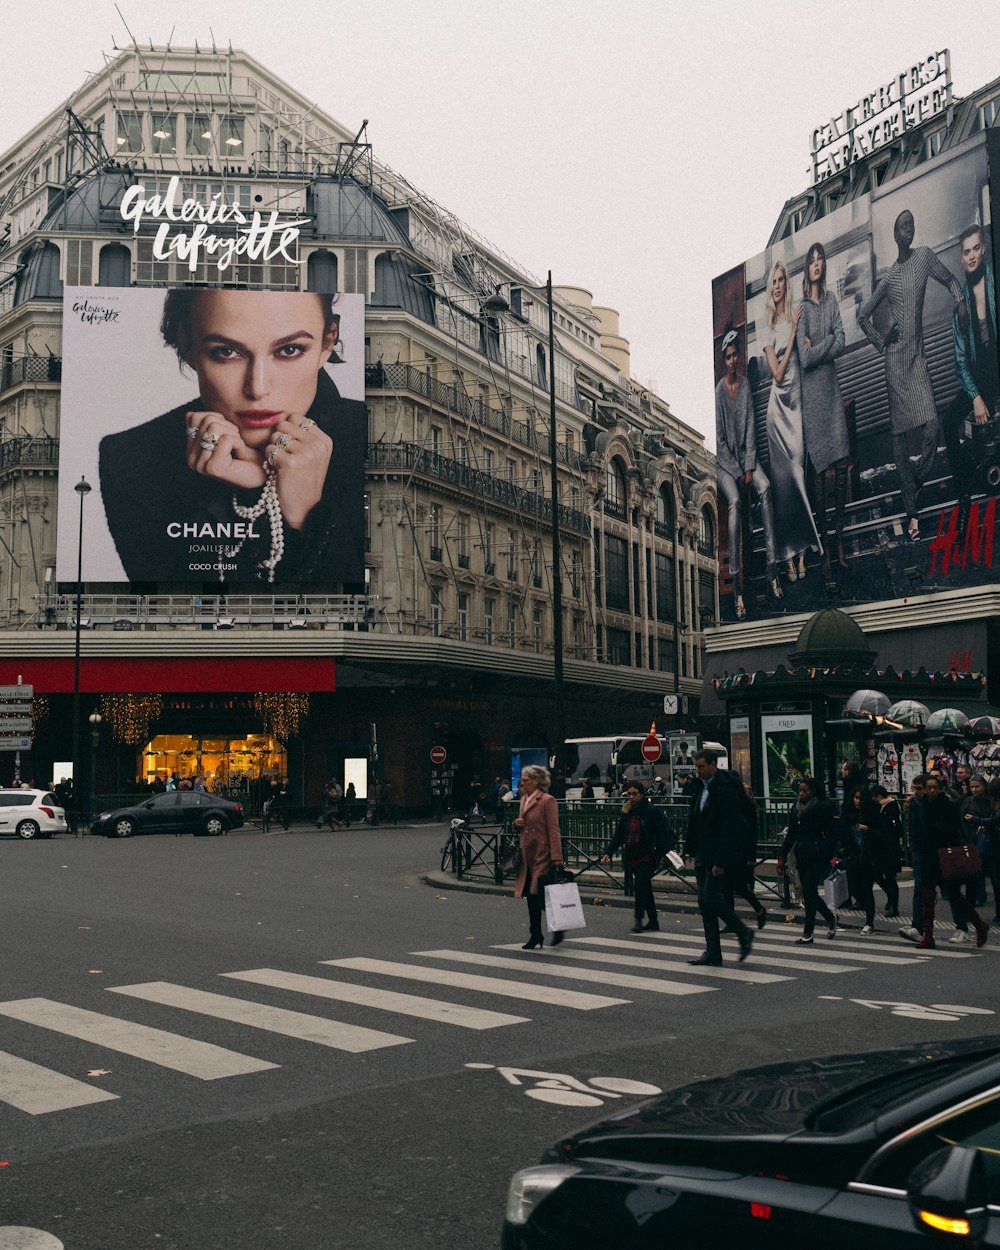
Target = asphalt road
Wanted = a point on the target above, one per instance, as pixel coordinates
(309, 1105)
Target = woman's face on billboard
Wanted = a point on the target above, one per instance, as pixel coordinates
(778, 285)
(817, 265)
(257, 357)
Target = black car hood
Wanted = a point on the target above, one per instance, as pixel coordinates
(772, 1102)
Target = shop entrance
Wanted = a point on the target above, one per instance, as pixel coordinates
(229, 765)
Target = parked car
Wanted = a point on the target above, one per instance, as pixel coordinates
(31, 814)
(897, 1148)
(178, 811)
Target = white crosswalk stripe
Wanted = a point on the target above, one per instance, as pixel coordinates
(323, 1032)
(381, 1000)
(822, 950)
(553, 996)
(168, 1050)
(543, 968)
(647, 961)
(38, 1091)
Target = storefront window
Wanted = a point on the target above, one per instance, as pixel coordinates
(224, 764)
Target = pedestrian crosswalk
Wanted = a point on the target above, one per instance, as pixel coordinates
(587, 973)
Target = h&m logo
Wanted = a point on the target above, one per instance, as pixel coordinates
(976, 543)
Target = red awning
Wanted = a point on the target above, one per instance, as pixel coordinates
(231, 675)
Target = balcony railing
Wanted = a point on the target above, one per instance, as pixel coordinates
(15, 451)
(408, 457)
(128, 612)
(30, 369)
(404, 377)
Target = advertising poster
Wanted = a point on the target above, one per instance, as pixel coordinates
(681, 749)
(739, 746)
(857, 398)
(788, 754)
(223, 434)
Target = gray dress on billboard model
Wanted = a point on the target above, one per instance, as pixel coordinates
(823, 419)
(794, 527)
(907, 379)
(902, 286)
(146, 486)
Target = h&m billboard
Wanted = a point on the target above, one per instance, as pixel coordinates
(223, 432)
(858, 397)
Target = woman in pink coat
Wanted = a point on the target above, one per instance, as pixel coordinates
(541, 848)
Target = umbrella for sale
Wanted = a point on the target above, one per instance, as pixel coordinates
(909, 713)
(947, 720)
(867, 703)
(985, 726)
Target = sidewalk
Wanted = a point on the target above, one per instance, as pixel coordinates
(674, 895)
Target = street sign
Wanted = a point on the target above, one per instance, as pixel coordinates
(438, 755)
(17, 694)
(15, 744)
(651, 749)
(15, 724)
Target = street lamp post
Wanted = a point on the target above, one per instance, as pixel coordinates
(82, 488)
(95, 719)
(557, 630)
(496, 306)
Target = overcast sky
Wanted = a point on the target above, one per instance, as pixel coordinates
(636, 149)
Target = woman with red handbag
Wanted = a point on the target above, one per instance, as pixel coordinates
(937, 828)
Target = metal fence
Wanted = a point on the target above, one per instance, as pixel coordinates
(477, 853)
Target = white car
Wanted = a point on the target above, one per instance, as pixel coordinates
(31, 814)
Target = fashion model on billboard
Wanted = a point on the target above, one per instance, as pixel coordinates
(258, 478)
(820, 339)
(911, 396)
(737, 467)
(795, 529)
(977, 367)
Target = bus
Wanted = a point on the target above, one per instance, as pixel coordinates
(613, 759)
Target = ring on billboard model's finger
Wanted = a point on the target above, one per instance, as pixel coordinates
(192, 432)
(208, 441)
(281, 441)
(272, 454)
(307, 424)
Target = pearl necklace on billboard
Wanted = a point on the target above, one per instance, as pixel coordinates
(268, 502)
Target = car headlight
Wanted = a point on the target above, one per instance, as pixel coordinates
(101, 816)
(530, 1186)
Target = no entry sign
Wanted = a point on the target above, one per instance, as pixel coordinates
(651, 749)
(438, 755)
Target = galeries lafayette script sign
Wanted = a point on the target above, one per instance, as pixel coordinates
(187, 228)
(911, 98)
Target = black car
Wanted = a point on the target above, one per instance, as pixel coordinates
(892, 1149)
(177, 811)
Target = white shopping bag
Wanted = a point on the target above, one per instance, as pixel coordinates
(563, 909)
(835, 889)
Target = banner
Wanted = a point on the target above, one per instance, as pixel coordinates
(223, 433)
(857, 399)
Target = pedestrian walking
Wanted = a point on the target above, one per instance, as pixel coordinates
(537, 823)
(889, 826)
(740, 883)
(716, 840)
(914, 931)
(937, 825)
(645, 838)
(812, 833)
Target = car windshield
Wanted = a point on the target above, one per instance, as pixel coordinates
(865, 1102)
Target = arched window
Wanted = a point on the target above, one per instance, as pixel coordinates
(665, 510)
(322, 273)
(615, 490)
(115, 265)
(706, 532)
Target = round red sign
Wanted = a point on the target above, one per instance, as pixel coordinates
(651, 749)
(438, 755)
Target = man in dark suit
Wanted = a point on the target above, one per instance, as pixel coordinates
(715, 840)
